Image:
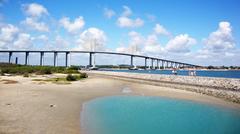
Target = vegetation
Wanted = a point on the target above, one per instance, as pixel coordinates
(224, 67)
(26, 75)
(24, 70)
(64, 80)
(71, 77)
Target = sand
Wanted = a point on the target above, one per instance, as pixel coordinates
(30, 107)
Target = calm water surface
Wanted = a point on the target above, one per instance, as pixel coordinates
(156, 115)
(205, 73)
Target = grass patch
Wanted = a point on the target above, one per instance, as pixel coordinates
(6, 81)
(6, 68)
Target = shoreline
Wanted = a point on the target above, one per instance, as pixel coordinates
(31, 107)
(225, 88)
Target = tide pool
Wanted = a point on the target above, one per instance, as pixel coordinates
(156, 115)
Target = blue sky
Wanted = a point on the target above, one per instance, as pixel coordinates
(188, 30)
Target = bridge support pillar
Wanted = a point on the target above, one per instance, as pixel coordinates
(26, 58)
(16, 60)
(145, 63)
(163, 64)
(158, 64)
(66, 59)
(55, 59)
(90, 59)
(41, 58)
(9, 57)
(131, 60)
(152, 64)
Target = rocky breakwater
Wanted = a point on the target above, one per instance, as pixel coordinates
(226, 88)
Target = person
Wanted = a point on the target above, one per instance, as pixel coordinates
(192, 72)
(174, 71)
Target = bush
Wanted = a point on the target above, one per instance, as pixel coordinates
(71, 77)
(73, 68)
(26, 75)
(69, 71)
(83, 75)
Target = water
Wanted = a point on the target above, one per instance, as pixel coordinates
(205, 73)
(156, 115)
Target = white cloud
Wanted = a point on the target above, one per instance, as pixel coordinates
(23, 41)
(61, 43)
(125, 21)
(134, 45)
(7, 35)
(33, 23)
(8, 32)
(109, 13)
(42, 37)
(220, 40)
(180, 44)
(159, 29)
(127, 11)
(152, 45)
(72, 27)
(92, 39)
(34, 10)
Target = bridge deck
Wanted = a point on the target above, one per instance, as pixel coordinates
(94, 52)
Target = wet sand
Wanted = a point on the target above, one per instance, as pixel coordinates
(30, 107)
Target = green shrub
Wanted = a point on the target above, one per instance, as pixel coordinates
(23, 69)
(73, 68)
(26, 75)
(69, 71)
(71, 77)
(83, 75)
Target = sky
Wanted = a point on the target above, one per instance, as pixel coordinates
(205, 32)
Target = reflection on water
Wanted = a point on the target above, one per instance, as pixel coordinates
(156, 115)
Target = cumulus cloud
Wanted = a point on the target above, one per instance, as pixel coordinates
(109, 13)
(7, 35)
(42, 37)
(159, 29)
(125, 21)
(152, 45)
(92, 39)
(134, 45)
(35, 13)
(127, 11)
(180, 44)
(34, 9)
(23, 41)
(74, 26)
(34, 24)
(220, 40)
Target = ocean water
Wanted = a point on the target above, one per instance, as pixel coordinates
(204, 73)
(156, 115)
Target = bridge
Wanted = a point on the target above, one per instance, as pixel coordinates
(160, 62)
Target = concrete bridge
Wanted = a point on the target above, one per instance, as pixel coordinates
(160, 62)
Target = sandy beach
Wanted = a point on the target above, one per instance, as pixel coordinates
(33, 107)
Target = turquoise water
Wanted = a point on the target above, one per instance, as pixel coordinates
(204, 73)
(156, 115)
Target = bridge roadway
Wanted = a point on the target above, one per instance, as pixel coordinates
(165, 63)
